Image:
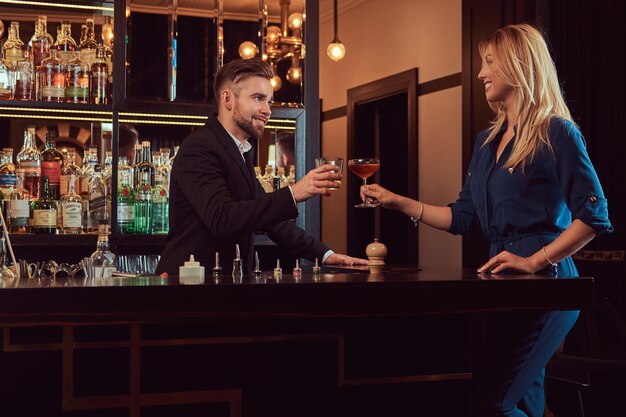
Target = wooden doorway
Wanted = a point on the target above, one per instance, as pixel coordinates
(382, 123)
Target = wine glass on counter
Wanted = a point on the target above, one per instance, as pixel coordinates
(365, 168)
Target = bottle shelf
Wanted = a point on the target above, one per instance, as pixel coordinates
(66, 111)
(30, 240)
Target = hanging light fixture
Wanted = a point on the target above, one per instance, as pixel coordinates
(279, 43)
(335, 50)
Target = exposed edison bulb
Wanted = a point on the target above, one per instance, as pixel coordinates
(294, 75)
(336, 50)
(127, 12)
(273, 34)
(276, 82)
(295, 21)
(248, 50)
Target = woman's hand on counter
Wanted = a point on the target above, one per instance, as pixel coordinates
(506, 261)
(338, 259)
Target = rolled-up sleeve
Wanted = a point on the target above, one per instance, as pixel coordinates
(464, 217)
(577, 180)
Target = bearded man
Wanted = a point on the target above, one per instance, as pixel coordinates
(215, 198)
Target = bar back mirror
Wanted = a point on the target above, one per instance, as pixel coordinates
(275, 156)
(175, 47)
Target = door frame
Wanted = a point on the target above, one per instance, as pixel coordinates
(403, 82)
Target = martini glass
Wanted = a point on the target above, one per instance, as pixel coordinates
(365, 168)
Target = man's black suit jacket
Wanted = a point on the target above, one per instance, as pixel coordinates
(216, 202)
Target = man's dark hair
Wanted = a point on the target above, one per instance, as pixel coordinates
(285, 145)
(240, 70)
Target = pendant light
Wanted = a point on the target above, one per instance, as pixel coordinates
(335, 50)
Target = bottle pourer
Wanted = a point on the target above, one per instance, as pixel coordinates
(297, 271)
(316, 268)
(278, 272)
(217, 269)
(257, 269)
(237, 265)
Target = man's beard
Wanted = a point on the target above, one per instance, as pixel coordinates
(247, 125)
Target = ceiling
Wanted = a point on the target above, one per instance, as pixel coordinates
(241, 8)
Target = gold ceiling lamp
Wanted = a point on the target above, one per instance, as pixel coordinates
(279, 43)
(335, 50)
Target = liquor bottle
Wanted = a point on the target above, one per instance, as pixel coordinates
(44, 212)
(156, 159)
(89, 163)
(51, 165)
(72, 210)
(99, 78)
(160, 208)
(65, 44)
(41, 42)
(138, 157)
(6, 275)
(13, 47)
(7, 173)
(267, 181)
(143, 205)
(103, 259)
(19, 206)
(165, 169)
(282, 177)
(52, 79)
(125, 205)
(97, 200)
(88, 44)
(44, 29)
(107, 177)
(24, 76)
(124, 168)
(77, 74)
(291, 178)
(176, 148)
(6, 79)
(107, 172)
(68, 170)
(146, 164)
(29, 160)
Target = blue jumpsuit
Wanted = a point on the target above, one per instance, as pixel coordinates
(521, 212)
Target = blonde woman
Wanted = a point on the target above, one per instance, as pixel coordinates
(534, 192)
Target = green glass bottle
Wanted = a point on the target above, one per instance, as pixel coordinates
(160, 211)
(143, 205)
(125, 205)
(44, 212)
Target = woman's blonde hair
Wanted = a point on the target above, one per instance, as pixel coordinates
(526, 66)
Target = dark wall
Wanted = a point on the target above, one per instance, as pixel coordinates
(588, 40)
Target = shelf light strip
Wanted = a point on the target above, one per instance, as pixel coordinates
(288, 121)
(170, 122)
(39, 116)
(181, 116)
(161, 122)
(58, 5)
(32, 109)
(280, 127)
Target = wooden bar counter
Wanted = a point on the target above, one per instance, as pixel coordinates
(341, 343)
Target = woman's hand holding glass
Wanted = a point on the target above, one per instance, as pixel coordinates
(382, 195)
